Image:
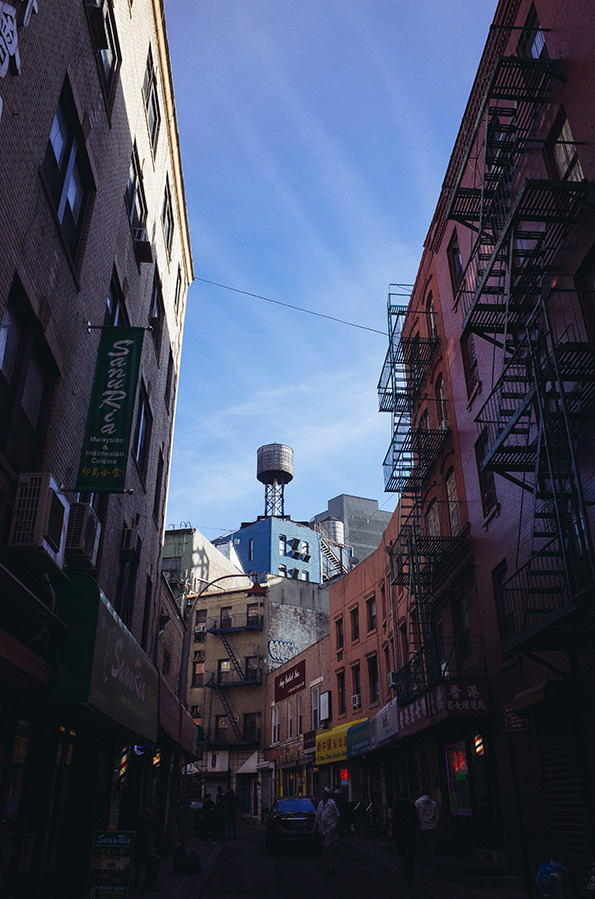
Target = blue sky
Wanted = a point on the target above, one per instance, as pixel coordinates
(315, 136)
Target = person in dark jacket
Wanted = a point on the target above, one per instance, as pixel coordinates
(231, 814)
(145, 854)
(428, 814)
(405, 828)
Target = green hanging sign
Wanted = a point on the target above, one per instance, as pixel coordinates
(109, 421)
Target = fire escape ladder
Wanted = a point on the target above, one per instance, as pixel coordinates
(232, 716)
(336, 564)
(234, 660)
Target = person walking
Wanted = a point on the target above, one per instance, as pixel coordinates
(405, 829)
(231, 813)
(427, 813)
(327, 822)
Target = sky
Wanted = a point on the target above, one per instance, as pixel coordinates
(315, 135)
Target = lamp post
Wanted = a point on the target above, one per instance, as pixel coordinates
(183, 677)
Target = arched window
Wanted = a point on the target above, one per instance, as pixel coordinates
(432, 328)
(432, 520)
(441, 403)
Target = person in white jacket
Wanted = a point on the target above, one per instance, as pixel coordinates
(327, 822)
(427, 814)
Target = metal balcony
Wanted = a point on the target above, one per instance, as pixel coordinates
(435, 663)
(231, 623)
(411, 456)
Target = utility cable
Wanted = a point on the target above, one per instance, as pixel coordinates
(256, 296)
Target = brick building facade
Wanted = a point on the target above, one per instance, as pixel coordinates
(95, 247)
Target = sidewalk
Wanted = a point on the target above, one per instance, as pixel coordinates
(383, 852)
(184, 886)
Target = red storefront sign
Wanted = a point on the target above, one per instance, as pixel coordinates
(291, 681)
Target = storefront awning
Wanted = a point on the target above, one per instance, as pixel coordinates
(384, 726)
(100, 662)
(331, 745)
(250, 765)
(358, 739)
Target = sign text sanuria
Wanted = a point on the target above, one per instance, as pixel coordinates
(109, 421)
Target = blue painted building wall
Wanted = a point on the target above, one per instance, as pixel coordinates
(261, 548)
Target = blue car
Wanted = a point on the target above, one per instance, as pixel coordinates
(291, 823)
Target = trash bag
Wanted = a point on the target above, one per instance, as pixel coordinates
(544, 873)
(186, 861)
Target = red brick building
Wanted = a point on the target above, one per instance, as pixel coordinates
(490, 381)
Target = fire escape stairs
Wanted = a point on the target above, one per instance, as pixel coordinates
(233, 658)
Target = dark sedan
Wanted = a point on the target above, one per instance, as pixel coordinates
(291, 823)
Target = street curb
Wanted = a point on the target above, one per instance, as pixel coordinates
(206, 873)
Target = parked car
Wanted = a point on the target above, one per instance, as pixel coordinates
(291, 823)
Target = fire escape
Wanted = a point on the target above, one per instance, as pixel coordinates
(516, 294)
(419, 556)
(233, 676)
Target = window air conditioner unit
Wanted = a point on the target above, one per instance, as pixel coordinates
(356, 701)
(200, 628)
(142, 246)
(392, 678)
(40, 520)
(82, 537)
(131, 544)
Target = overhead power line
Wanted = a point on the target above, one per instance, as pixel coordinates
(256, 296)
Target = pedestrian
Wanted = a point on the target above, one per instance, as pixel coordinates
(145, 853)
(405, 829)
(231, 812)
(327, 821)
(210, 811)
(427, 814)
(220, 813)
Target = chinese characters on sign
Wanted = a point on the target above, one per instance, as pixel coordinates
(451, 699)
(9, 39)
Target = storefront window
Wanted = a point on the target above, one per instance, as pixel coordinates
(458, 778)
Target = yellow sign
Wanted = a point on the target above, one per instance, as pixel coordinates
(331, 745)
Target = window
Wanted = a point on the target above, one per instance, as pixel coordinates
(115, 311)
(226, 616)
(198, 673)
(169, 381)
(300, 724)
(178, 293)
(105, 41)
(469, 362)
(27, 375)
(564, 154)
(441, 403)
(341, 692)
(135, 198)
(354, 616)
(167, 218)
(156, 313)
(487, 483)
(305, 575)
(532, 42)
(383, 600)
(201, 615)
(283, 570)
(68, 174)
(282, 544)
(289, 720)
(453, 503)
(157, 505)
(223, 671)
(373, 678)
(305, 551)
(142, 436)
(339, 632)
(432, 520)
(252, 669)
(504, 600)
(252, 613)
(462, 629)
(314, 706)
(432, 327)
(221, 729)
(151, 101)
(250, 550)
(371, 608)
(455, 263)
(275, 730)
(250, 730)
(355, 680)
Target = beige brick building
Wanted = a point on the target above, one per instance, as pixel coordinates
(95, 236)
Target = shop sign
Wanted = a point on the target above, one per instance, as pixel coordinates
(384, 727)
(513, 722)
(111, 859)
(358, 739)
(459, 699)
(458, 778)
(309, 740)
(9, 38)
(413, 717)
(100, 662)
(104, 454)
(291, 681)
(290, 753)
(331, 745)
